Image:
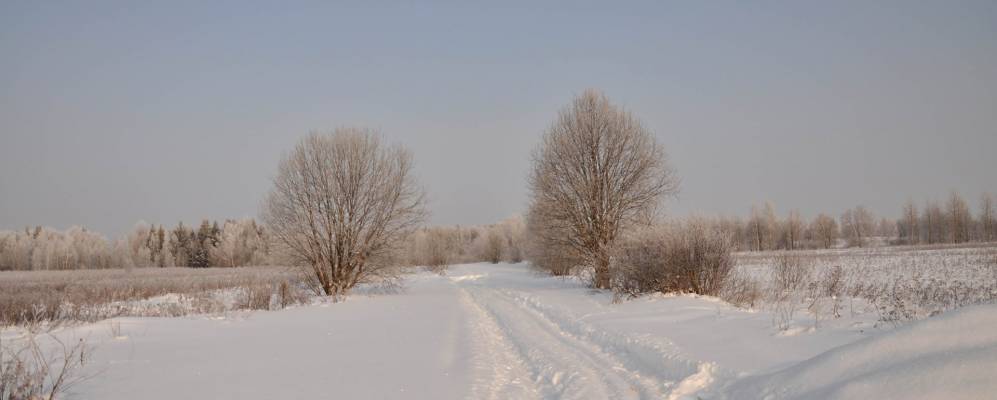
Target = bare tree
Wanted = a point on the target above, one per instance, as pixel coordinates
(340, 204)
(513, 231)
(886, 228)
(933, 229)
(596, 171)
(792, 230)
(959, 218)
(988, 225)
(908, 225)
(491, 245)
(825, 230)
(762, 227)
(857, 225)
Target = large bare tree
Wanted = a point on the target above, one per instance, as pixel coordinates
(596, 170)
(340, 204)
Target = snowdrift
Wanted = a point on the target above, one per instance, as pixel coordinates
(952, 356)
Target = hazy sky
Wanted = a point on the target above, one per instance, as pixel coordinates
(112, 113)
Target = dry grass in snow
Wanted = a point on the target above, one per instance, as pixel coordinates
(899, 283)
(90, 295)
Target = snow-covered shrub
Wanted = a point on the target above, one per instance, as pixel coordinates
(684, 257)
(490, 246)
(435, 248)
(915, 297)
(741, 290)
(791, 272)
(255, 298)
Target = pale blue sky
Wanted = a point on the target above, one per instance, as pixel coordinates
(112, 112)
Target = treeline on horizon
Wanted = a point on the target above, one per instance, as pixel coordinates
(234, 243)
(244, 242)
(951, 222)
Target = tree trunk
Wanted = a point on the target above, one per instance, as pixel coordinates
(601, 279)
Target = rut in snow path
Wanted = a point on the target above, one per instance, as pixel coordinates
(499, 373)
(566, 359)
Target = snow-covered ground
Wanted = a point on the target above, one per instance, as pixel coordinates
(503, 332)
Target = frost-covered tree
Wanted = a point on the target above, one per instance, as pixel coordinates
(240, 243)
(886, 228)
(491, 246)
(203, 243)
(988, 222)
(933, 226)
(138, 244)
(908, 225)
(792, 230)
(49, 249)
(180, 245)
(596, 171)
(959, 219)
(763, 227)
(341, 203)
(824, 230)
(857, 225)
(513, 230)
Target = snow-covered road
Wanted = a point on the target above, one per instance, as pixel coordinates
(480, 332)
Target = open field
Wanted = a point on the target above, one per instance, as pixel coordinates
(900, 283)
(500, 331)
(813, 323)
(905, 282)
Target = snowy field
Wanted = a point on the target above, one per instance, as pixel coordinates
(898, 283)
(501, 331)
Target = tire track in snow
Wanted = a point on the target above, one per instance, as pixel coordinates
(499, 373)
(682, 377)
(651, 356)
(564, 365)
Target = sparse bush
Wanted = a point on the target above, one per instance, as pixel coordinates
(791, 272)
(685, 257)
(290, 293)
(255, 298)
(29, 372)
(832, 281)
(741, 290)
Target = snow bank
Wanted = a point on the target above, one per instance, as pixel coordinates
(952, 356)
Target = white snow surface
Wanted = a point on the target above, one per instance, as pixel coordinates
(501, 331)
